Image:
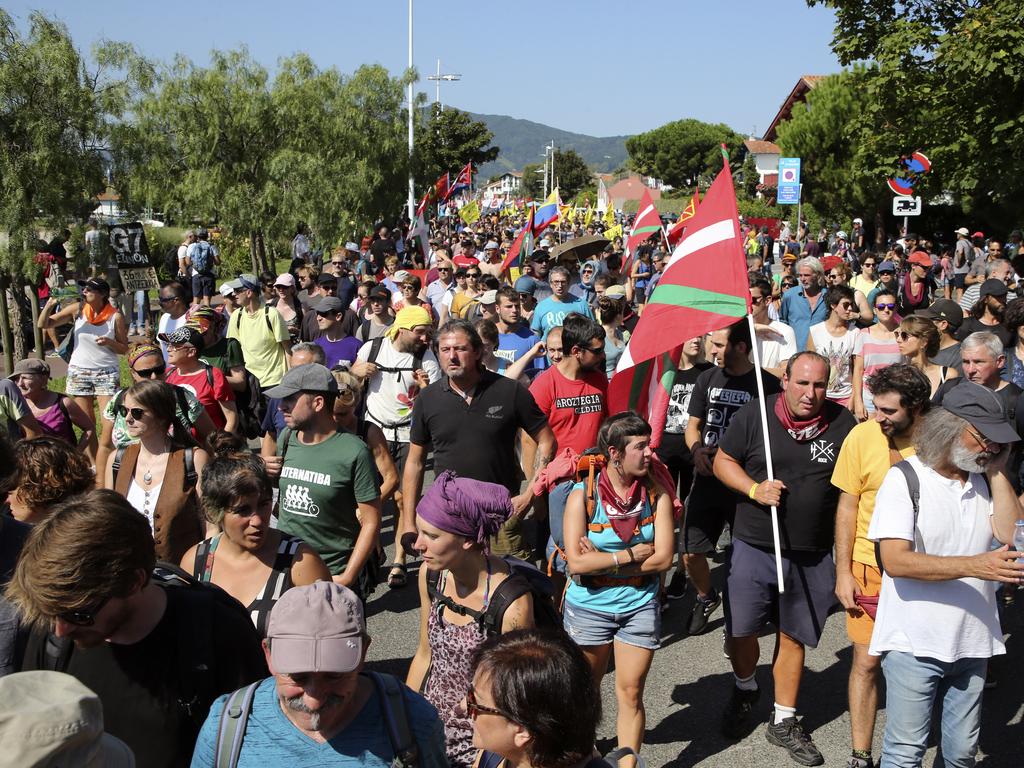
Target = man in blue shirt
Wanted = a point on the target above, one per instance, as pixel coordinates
(552, 311)
(515, 338)
(318, 709)
(803, 305)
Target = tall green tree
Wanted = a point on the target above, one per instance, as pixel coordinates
(53, 118)
(533, 181)
(447, 140)
(959, 68)
(571, 173)
(683, 152)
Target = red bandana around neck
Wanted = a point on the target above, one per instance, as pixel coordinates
(801, 431)
(623, 514)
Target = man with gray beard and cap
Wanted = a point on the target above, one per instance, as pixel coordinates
(319, 707)
(937, 625)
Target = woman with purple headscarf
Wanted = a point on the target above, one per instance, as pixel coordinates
(455, 518)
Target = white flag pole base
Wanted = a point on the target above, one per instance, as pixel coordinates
(767, 449)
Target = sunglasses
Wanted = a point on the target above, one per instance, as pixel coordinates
(475, 709)
(472, 274)
(167, 299)
(135, 413)
(889, 307)
(337, 263)
(148, 373)
(903, 335)
(595, 350)
(84, 618)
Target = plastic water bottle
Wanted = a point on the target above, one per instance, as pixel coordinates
(1018, 538)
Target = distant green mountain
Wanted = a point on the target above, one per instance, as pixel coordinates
(523, 141)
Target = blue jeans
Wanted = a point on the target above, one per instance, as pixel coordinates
(912, 685)
(141, 309)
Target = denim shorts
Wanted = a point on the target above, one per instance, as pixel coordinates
(640, 627)
(86, 382)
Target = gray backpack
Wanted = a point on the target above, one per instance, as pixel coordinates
(235, 715)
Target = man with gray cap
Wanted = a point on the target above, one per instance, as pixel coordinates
(329, 495)
(937, 625)
(320, 707)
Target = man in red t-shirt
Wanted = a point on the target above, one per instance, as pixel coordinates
(573, 394)
(208, 384)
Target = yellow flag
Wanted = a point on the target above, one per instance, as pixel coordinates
(588, 216)
(609, 216)
(613, 232)
(469, 212)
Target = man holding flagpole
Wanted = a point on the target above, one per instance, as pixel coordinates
(805, 431)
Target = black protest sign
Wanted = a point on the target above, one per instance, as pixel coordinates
(131, 253)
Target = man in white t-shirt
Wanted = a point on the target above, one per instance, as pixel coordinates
(174, 304)
(776, 342)
(937, 623)
(396, 367)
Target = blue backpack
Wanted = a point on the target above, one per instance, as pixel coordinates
(201, 259)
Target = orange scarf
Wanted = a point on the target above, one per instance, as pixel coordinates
(98, 318)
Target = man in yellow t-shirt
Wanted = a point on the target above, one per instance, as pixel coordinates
(902, 395)
(261, 332)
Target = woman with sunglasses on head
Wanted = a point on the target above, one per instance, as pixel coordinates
(99, 335)
(619, 537)
(533, 703)
(456, 518)
(874, 348)
(834, 338)
(247, 557)
(838, 272)
(918, 341)
(145, 363)
(348, 418)
(158, 473)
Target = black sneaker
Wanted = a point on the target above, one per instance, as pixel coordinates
(736, 718)
(702, 610)
(790, 734)
(676, 589)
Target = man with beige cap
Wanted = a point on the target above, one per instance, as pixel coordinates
(319, 707)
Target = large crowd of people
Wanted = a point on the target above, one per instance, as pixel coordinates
(187, 554)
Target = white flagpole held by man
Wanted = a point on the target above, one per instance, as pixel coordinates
(767, 449)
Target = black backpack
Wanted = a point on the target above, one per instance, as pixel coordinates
(170, 262)
(196, 676)
(523, 577)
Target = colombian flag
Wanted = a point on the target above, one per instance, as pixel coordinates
(547, 213)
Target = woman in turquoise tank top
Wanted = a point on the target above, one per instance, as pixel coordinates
(619, 538)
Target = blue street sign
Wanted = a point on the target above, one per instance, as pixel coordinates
(789, 181)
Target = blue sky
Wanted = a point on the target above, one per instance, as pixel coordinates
(591, 66)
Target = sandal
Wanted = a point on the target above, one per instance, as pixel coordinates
(397, 577)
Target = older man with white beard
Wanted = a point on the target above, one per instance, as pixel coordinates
(937, 624)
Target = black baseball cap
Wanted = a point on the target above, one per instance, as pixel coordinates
(944, 309)
(982, 409)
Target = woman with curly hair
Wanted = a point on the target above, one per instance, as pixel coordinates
(48, 470)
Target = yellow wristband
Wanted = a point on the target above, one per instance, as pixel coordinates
(753, 490)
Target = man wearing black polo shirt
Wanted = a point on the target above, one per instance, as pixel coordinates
(471, 417)
(806, 431)
(718, 394)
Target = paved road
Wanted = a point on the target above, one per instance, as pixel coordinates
(690, 682)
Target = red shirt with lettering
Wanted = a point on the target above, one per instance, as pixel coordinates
(575, 409)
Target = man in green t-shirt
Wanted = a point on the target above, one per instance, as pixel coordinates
(328, 492)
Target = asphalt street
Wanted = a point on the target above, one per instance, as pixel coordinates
(690, 681)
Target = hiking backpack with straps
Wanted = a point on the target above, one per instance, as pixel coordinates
(238, 707)
(523, 577)
(374, 353)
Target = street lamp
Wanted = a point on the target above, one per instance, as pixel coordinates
(412, 182)
(450, 77)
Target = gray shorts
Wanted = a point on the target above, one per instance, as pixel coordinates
(752, 598)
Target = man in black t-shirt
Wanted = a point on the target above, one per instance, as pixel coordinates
(717, 395)
(471, 417)
(156, 655)
(805, 431)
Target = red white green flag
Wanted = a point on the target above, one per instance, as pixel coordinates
(646, 223)
(703, 288)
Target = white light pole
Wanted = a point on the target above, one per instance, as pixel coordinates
(412, 182)
(450, 77)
